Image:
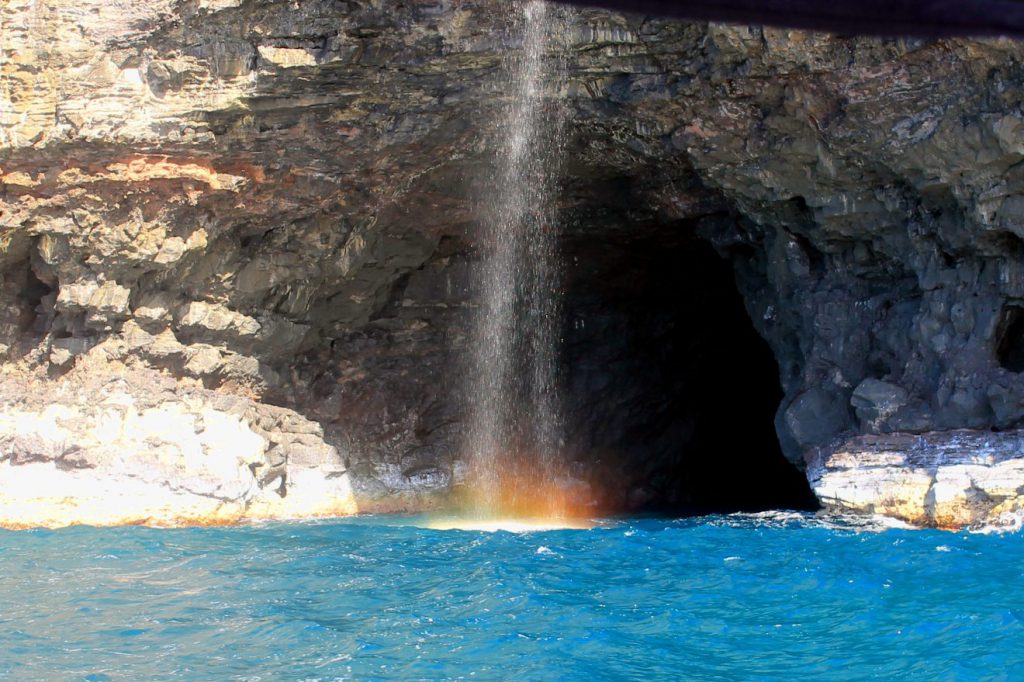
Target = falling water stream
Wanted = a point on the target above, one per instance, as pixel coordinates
(516, 424)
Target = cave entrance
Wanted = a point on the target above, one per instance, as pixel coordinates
(672, 393)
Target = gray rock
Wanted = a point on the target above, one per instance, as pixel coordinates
(876, 401)
(815, 417)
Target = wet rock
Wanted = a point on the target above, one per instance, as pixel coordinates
(427, 477)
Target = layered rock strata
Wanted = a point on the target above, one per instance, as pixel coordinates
(264, 210)
(947, 480)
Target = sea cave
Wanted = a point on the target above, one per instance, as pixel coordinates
(436, 339)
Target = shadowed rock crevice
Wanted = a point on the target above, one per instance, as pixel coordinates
(26, 301)
(1010, 349)
(672, 392)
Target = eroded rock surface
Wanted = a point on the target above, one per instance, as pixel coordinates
(947, 480)
(273, 203)
(111, 444)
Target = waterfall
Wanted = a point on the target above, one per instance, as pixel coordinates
(515, 412)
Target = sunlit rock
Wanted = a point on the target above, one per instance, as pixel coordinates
(955, 479)
(128, 447)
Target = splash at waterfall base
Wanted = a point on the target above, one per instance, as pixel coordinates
(526, 499)
(523, 491)
(513, 384)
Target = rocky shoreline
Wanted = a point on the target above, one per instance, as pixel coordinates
(108, 444)
(114, 444)
(950, 480)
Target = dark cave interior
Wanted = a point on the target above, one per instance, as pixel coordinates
(1010, 348)
(672, 392)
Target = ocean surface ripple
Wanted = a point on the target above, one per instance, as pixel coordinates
(718, 598)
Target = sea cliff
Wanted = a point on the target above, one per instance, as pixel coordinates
(237, 240)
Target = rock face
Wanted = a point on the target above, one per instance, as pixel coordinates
(113, 445)
(951, 480)
(122, 452)
(264, 210)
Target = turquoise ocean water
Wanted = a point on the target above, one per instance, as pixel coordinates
(718, 598)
